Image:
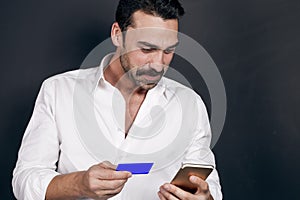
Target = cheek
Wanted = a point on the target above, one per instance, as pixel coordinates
(138, 58)
(168, 58)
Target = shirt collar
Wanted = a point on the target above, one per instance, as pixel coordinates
(100, 72)
(160, 88)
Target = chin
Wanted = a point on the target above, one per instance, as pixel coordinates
(148, 86)
(145, 85)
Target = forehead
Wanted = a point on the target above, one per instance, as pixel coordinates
(152, 29)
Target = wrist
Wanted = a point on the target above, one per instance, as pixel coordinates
(82, 186)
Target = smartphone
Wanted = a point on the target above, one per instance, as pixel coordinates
(182, 181)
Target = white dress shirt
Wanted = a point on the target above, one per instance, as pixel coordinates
(79, 119)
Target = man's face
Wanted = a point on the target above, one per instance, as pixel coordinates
(148, 48)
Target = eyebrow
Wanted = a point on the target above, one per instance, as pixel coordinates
(155, 46)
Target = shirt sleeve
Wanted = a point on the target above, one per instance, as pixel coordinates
(39, 150)
(200, 152)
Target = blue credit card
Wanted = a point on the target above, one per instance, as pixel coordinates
(135, 168)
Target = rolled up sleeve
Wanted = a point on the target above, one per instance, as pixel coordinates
(200, 152)
(39, 150)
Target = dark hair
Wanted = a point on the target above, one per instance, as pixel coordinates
(166, 9)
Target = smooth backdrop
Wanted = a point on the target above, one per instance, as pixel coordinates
(255, 44)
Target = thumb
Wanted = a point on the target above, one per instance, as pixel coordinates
(202, 186)
(108, 165)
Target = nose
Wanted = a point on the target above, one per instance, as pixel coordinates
(157, 61)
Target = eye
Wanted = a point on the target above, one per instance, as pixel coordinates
(147, 50)
(168, 51)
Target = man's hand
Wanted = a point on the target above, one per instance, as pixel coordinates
(101, 181)
(171, 192)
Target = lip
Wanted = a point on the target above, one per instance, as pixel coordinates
(151, 78)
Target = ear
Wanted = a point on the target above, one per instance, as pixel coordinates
(116, 35)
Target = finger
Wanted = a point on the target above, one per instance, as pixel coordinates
(113, 191)
(110, 184)
(201, 184)
(176, 191)
(108, 193)
(114, 184)
(108, 165)
(167, 194)
(161, 196)
(108, 174)
(113, 175)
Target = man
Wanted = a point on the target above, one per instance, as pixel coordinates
(54, 161)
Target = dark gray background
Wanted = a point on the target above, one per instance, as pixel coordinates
(255, 44)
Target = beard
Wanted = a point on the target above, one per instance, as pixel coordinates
(144, 77)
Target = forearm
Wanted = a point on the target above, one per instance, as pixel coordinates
(67, 186)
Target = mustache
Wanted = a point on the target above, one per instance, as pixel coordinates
(149, 72)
